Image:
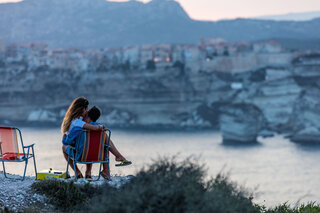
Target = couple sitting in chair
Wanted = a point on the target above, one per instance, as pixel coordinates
(73, 125)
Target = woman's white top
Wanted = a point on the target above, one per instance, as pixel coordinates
(76, 123)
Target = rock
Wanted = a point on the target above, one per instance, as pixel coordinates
(117, 117)
(276, 73)
(240, 123)
(42, 116)
(195, 121)
(305, 117)
(307, 135)
(276, 100)
(266, 133)
(62, 113)
(306, 59)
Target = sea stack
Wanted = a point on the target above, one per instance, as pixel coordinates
(240, 123)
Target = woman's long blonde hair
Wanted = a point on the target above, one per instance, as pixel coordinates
(75, 110)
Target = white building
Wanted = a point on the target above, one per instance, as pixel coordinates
(132, 55)
(146, 54)
(192, 57)
(214, 41)
(267, 47)
(77, 62)
(177, 53)
(2, 49)
(162, 53)
(94, 58)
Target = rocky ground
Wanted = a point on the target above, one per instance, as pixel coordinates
(16, 195)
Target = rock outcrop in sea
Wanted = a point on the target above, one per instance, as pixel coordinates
(240, 123)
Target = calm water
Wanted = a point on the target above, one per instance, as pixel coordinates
(277, 170)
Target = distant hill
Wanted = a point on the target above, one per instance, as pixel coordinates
(304, 16)
(100, 23)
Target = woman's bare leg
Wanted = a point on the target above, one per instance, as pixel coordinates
(88, 170)
(64, 151)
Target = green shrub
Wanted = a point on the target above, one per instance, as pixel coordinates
(285, 208)
(65, 195)
(224, 196)
(170, 186)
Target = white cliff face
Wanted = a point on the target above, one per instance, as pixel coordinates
(274, 74)
(306, 116)
(42, 116)
(307, 135)
(247, 61)
(195, 121)
(287, 98)
(62, 113)
(276, 100)
(116, 117)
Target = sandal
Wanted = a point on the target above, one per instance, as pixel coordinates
(124, 163)
(88, 177)
(105, 176)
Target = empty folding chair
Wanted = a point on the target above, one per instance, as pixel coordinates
(10, 138)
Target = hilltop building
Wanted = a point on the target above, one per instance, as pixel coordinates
(2, 49)
(213, 54)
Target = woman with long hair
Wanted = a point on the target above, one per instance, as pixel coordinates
(77, 109)
(72, 118)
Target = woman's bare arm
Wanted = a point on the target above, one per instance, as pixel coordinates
(93, 127)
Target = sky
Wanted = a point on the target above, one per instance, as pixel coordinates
(229, 9)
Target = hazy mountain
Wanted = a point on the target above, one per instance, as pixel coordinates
(100, 23)
(304, 16)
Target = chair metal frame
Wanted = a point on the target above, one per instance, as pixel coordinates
(25, 158)
(73, 156)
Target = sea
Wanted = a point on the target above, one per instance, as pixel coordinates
(275, 169)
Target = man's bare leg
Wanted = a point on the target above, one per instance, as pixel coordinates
(105, 170)
(115, 152)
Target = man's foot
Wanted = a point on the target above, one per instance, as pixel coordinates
(105, 175)
(124, 163)
(119, 159)
(88, 177)
(79, 176)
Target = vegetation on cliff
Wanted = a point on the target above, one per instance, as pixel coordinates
(165, 186)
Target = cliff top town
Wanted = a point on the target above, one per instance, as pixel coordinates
(214, 54)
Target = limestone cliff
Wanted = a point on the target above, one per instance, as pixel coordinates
(286, 97)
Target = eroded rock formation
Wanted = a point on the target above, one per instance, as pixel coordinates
(281, 99)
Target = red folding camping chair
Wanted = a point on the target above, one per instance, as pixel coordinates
(91, 147)
(9, 149)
